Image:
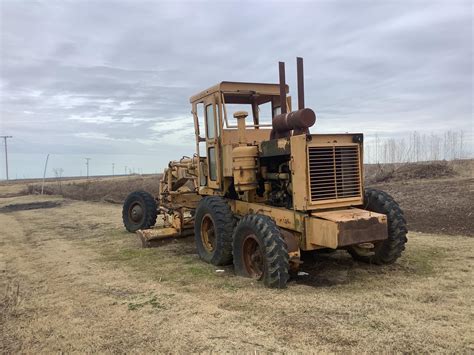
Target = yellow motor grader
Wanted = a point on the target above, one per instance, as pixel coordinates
(260, 188)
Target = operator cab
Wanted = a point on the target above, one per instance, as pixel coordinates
(216, 128)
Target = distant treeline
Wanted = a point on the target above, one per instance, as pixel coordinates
(417, 147)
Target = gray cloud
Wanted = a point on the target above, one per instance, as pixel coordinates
(113, 78)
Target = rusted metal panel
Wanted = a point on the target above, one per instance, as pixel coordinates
(296, 121)
(347, 215)
(188, 200)
(339, 228)
(361, 231)
(275, 147)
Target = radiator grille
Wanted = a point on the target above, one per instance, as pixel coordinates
(334, 172)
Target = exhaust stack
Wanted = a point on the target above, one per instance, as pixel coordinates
(281, 68)
(296, 122)
(300, 79)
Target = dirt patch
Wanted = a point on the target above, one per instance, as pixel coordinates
(377, 173)
(433, 170)
(435, 206)
(436, 197)
(29, 206)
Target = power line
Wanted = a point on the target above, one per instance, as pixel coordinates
(6, 153)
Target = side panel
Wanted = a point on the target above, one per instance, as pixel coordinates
(339, 228)
(253, 136)
(299, 175)
(283, 217)
(227, 160)
(320, 234)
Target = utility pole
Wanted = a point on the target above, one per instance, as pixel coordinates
(87, 165)
(6, 153)
(113, 169)
(44, 173)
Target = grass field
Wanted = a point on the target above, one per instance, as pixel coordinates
(72, 280)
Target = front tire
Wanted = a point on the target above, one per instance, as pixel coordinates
(390, 249)
(260, 251)
(139, 211)
(213, 226)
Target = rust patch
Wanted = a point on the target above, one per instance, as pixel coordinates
(361, 231)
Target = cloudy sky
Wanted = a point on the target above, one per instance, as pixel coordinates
(111, 80)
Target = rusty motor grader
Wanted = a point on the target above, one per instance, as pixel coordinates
(260, 188)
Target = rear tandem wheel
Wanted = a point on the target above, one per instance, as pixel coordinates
(260, 251)
(389, 250)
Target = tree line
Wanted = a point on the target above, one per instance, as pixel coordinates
(416, 147)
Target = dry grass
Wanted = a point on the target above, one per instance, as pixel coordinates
(86, 286)
(108, 189)
(441, 169)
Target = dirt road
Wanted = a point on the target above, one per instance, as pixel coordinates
(72, 280)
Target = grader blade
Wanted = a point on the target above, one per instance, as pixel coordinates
(153, 234)
(159, 233)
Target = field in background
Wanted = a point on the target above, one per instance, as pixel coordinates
(107, 188)
(435, 196)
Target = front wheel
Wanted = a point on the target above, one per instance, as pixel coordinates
(260, 251)
(139, 211)
(390, 249)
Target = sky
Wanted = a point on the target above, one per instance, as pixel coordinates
(111, 80)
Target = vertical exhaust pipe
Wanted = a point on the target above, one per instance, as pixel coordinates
(281, 67)
(300, 79)
(297, 122)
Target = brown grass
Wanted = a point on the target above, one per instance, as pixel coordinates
(86, 286)
(379, 173)
(113, 190)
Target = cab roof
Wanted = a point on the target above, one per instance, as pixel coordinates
(233, 87)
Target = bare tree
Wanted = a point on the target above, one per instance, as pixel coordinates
(58, 173)
(448, 145)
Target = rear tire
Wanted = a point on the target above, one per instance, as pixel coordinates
(213, 227)
(139, 211)
(260, 252)
(389, 250)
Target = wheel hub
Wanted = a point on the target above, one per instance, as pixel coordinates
(136, 213)
(208, 233)
(253, 257)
